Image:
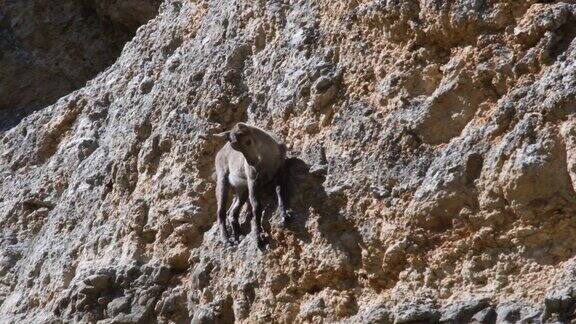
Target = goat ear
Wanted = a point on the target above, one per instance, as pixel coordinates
(244, 128)
(224, 135)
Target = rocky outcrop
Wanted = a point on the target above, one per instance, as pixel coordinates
(431, 172)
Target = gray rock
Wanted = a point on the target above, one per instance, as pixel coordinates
(204, 315)
(377, 315)
(462, 311)
(514, 312)
(312, 308)
(485, 316)
(418, 311)
(117, 306)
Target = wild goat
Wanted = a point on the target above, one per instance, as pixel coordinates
(250, 159)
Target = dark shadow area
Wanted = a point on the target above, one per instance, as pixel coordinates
(306, 193)
(50, 48)
(12, 117)
(334, 227)
(298, 175)
(565, 36)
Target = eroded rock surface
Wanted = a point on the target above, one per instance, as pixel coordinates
(432, 172)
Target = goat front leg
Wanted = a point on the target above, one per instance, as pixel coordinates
(221, 198)
(256, 212)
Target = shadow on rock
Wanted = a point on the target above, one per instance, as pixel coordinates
(306, 195)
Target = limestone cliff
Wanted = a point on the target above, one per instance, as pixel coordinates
(432, 170)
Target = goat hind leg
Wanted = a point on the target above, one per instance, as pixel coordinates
(234, 212)
(222, 186)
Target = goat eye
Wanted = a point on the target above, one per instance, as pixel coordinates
(248, 142)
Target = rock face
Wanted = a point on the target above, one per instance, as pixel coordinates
(49, 49)
(432, 170)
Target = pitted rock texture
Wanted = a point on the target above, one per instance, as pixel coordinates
(431, 177)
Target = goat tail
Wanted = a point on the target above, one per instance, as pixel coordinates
(214, 176)
(283, 151)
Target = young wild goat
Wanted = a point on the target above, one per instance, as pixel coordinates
(250, 159)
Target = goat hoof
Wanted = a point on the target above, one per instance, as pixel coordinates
(286, 219)
(262, 240)
(225, 240)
